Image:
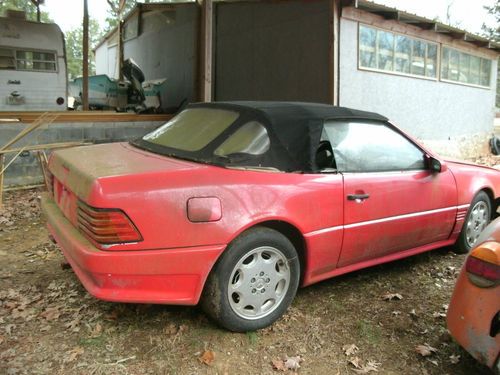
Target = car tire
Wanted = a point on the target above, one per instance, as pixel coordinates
(477, 219)
(495, 145)
(254, 281)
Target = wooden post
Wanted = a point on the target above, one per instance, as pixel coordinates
(85, 78)
(206, 37)
(120, 48)
(334, 52)
(42, 158)
(2, 161)
(121, 9)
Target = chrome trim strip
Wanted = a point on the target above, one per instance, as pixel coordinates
(399, 217)
(324, 230)
(385, 219)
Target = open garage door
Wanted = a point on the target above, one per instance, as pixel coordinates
(273, 51)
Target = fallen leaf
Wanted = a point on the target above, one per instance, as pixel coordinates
(425, 350)
(113, 315)
(96, 331)
(171, 329)
(392, 296)
(454, 359)
(278, 364)
(356, 362)
(369, 367)
(73, 324)
(293, 363)
(51, 313)
(9, 328)
(73, 354)
(350, 349)
(45, 328)
(434, 362)
(207, 357)
(438, 315)
(1, 339)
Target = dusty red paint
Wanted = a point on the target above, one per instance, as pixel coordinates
(407, 213)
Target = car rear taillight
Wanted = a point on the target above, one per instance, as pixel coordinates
(106, 225)
(483, 265)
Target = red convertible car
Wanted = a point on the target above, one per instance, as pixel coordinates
(234, 205)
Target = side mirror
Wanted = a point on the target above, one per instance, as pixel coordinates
(435, 165)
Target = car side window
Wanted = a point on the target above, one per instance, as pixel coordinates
(371, 147)
(251, 138)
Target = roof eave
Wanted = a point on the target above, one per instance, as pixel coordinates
(390, 13)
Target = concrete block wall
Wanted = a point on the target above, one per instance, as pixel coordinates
(25, 170)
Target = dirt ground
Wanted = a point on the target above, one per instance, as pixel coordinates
(50, 325)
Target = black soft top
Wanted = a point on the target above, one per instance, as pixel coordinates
(282, 113)
(294, 129)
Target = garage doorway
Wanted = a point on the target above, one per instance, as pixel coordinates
(273, 51)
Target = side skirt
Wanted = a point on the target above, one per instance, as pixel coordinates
(373, 262)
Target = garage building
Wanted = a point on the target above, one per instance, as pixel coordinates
(435, 81)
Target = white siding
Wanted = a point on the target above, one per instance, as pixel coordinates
(428, 109)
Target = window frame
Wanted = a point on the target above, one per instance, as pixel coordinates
(394, 72)
(447, 80)
(395, 129)
(15, 50)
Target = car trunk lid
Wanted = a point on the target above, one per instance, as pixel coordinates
(77, 170)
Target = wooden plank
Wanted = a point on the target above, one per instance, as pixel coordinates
(42, 158)
(23, 187)
(80, 116)
(46, 146)
(44, 119)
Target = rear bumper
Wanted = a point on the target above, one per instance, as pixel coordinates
(470, 317)
(167, 276)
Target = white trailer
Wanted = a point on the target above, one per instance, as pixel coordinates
(33, 74)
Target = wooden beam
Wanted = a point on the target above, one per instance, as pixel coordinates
(76, 117)
(457, 35)
(388, 15)
(423, 25)
(85, 78)
(46, 146)
(333, 66)
(349, 3)
(479, 43)
(206, 46)
(42, 158)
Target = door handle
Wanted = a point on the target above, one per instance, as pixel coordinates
(355, 197)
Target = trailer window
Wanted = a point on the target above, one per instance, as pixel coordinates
(7, 60)
(34, 60)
